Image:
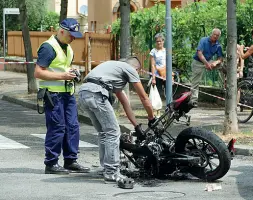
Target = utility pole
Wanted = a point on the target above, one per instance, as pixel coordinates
(168, 52)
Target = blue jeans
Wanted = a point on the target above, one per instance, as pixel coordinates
(62, 128)
(105, 122)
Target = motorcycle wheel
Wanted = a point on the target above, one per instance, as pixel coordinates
(215, 158)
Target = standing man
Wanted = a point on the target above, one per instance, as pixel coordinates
(53, 68)
(207, 48)
(94, 96)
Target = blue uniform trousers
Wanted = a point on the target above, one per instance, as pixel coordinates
(62, 128)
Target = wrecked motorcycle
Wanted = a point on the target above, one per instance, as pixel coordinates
(156, 153)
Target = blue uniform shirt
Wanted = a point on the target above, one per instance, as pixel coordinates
(208, 49)
(46, 54)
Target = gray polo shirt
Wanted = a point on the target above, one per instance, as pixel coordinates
(115, 74)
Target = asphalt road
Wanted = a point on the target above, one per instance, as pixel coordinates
(22, 169)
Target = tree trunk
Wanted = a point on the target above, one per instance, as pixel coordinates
(125, 33)
(32, 86)
(64, 10)
(230, 122)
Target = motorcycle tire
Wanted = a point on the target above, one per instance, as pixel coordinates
(213, 147)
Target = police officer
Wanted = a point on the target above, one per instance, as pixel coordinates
(53, 68)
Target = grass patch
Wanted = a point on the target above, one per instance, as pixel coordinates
(245, 138)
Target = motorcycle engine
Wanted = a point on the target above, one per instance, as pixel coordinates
(155, 148)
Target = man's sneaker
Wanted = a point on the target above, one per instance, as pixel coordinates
(101, 172)
(75, 167)
(55, 169)
(122, 181)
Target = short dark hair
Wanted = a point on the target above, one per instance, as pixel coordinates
(132, 60)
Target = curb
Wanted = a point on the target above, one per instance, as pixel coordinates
(28, 104)
(239, 149)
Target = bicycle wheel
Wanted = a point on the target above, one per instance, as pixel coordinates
(245, 96)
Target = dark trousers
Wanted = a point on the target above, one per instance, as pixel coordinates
(161, 85)
(62, 128)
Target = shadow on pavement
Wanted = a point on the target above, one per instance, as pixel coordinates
(22, 171)
(74, 178)
(245, 182)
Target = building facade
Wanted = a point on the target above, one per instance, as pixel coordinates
(77, 9)
(101, 13)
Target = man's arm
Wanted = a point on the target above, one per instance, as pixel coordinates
(44, 74)
(248, 53)
(152, 60)
(126, 106)
(144, 99)
(46, 54)
(203, 59)
(217, 62)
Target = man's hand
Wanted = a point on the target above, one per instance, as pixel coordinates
(151, 122)
(215, 64)
(153, 81)
(208, 66)
(139, 133)
(68, 75)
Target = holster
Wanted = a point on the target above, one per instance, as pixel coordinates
(42, 96)
(111, 97)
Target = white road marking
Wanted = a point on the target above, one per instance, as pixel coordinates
(6, 143)
(81, 143)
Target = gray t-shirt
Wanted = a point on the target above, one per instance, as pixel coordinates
(115, 74)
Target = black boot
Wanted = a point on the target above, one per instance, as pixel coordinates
(73, 166)
(55, 169)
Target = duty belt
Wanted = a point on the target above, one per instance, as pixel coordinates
(98, 82)
(111, 98)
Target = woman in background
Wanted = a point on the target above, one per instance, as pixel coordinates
(158, 64)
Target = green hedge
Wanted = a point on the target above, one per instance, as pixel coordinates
(189, 24)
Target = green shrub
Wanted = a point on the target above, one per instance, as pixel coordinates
(189, 24)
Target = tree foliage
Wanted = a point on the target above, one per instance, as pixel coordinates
(51, 19)
(189, 24)
(36, 13)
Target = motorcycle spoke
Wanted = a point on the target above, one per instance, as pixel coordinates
(212, 155)
(213, 164)
(211, 167)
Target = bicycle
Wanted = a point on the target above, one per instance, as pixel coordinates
(245, 98)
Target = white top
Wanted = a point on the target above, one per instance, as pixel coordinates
(160, 58)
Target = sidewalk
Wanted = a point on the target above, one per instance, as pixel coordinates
(14, 89)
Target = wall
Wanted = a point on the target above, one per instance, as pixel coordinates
(101, 46)
(107, 12)
(174, 3)
(73, 11)
(101, 12)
